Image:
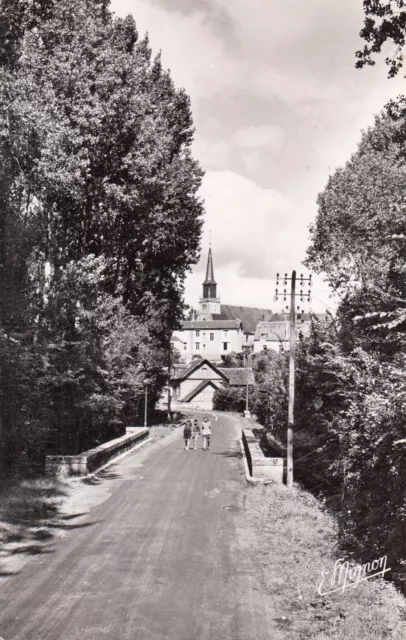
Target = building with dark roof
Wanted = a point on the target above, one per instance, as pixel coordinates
(216, 329)
(210, 333)
(275, 335)
(196, 384)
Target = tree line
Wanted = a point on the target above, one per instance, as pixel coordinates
(351, 392)
(350, 396)
(99, 223)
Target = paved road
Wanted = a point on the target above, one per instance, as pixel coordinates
(167, 556)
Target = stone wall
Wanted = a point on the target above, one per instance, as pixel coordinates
(259, 465)
(89, 461)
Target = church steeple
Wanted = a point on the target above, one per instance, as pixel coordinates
(210, 285)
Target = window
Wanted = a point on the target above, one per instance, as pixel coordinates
(197, 334)
(211, 337)
(225, 346)
(197, 346)
(265, 347)
(204, 346)
(184, 346)
(204, 306)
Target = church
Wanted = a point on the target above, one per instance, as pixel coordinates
(215, 329)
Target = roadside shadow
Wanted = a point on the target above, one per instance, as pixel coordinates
(227, 454)
(31, 550)
(8, 574)
(108, 475)
(30, 513)
(67, 526)
(97, 479)
(73, 516)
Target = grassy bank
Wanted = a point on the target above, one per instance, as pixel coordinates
(296, 540)
(29, 518)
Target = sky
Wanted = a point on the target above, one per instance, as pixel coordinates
(277, 105)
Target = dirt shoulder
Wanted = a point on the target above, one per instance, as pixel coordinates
(296, 540)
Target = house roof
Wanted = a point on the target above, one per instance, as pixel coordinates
(305, 317)
(249, 316)
(276, 331)
(211, 324)
(181, 374)
(202, 385)
(237, 376)
(272, 331)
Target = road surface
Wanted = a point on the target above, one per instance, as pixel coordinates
(167, 556)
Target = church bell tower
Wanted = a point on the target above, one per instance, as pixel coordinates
(209, 304)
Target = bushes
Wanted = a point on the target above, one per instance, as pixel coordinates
(269, 398)
(350, 442)
(229, 399)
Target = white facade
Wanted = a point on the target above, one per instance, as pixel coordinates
(262, 345)
(212, 339)
(196, 384)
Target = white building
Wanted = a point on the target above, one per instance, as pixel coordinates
(275, 335)
(216, 329)
(196, 384)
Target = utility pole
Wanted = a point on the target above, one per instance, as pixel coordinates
(246, 361)
(169, 417)
(146, 383)
(292, 343)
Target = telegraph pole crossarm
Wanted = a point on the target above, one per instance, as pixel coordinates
(292, 343)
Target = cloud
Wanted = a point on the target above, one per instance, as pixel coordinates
(277, 105)
(242, 217)
(212, 154)
(258, 137)
(196, 55)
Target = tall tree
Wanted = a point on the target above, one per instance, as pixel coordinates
(358, 238)
(100, 201)
(351, 427)
(385, 22)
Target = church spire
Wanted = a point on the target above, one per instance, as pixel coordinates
(210, 285)
(209, 270)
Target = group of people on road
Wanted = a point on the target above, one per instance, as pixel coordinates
(192, 431)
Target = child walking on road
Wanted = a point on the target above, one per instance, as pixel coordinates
(187, 433)
(206, 433)
(195, 433)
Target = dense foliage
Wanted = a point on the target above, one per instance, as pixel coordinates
(267, 399)
(229, 399)
(385, 22)
(99, 222)
(350, 409)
